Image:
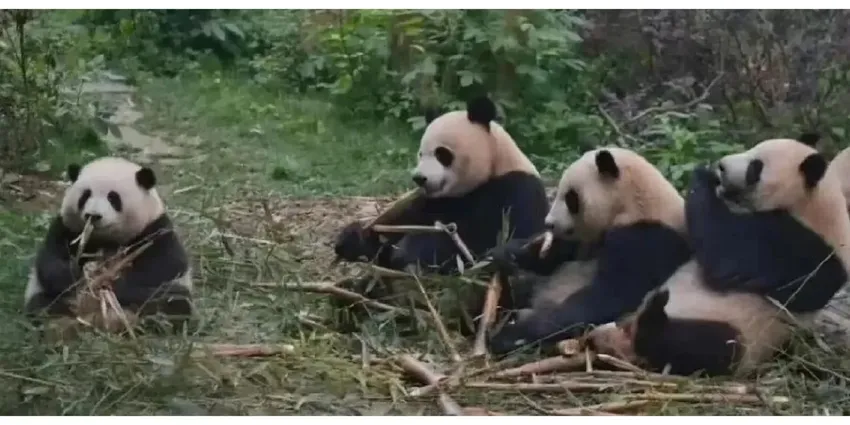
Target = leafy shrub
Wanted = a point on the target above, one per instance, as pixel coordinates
(165, 42)
(396, 64)
(38, 70)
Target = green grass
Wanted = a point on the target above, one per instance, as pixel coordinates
(292, 154)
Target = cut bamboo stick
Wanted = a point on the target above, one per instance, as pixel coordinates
(488, 315)
(425, 375)
(395, 208)
(244, 350)
(551, 364)
(610, 407)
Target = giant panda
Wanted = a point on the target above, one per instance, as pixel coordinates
(630, 219)
(120, 199)
(473, 174)
(769, 221)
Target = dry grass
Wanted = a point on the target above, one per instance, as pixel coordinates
(242, 231)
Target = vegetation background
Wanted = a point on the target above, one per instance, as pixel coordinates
(270, 127)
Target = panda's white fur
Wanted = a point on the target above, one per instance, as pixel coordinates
(763, 328)
(841, 167)
(100, 177)
(120, 199)
(479, 155)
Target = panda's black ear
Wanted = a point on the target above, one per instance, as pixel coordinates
(431, 114)
(813, 169)
(810, 138)
(481, 110)
(146, 178)
(606, 165)
(73, 172)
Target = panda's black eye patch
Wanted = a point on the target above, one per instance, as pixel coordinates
(83, 199)
(572, 201)
(115, 200)
(754, 172)
(444, 156)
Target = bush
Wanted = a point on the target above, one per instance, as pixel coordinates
(396, 64)
(38, 68)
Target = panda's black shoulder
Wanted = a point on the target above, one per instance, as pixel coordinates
(166, 247)
(768, 252)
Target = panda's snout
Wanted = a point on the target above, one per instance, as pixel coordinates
(94, 218)
(420, 180)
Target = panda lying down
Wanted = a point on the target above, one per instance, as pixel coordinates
(119, 198)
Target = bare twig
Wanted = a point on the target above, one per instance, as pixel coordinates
(451, 230)
(438, 322)
(688, 105)
(330, 288)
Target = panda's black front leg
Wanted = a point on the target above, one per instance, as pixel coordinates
(767, 252)
(633, 261)
(524, 254)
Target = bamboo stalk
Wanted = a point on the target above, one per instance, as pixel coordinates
(707, 398)
(395, 208)
(610, 407)
(488, 315)
(245, 350)
(438, 323)
(545, 387)
(385, 228)
(331, 289)
(425, 375)
(618, 363)
(551, 364)
(451, 230)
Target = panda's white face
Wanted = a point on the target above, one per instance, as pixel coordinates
(117, 196)
(774, 174)
(612, 187)
(434, 173)
(455, 156)
(584, 202)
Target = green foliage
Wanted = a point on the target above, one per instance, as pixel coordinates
(40, 74)
(395, 64)
(168, 41)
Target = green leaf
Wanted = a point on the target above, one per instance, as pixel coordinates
(234, 29)
(428, 66)
(466, 80)
(218, 32)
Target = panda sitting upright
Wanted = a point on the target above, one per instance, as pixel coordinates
(119, 199)
(472, 174)
(630, 220)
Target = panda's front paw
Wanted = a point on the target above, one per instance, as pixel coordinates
(511, 337)
(704, 177)
(353, 242)
(510, 257)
